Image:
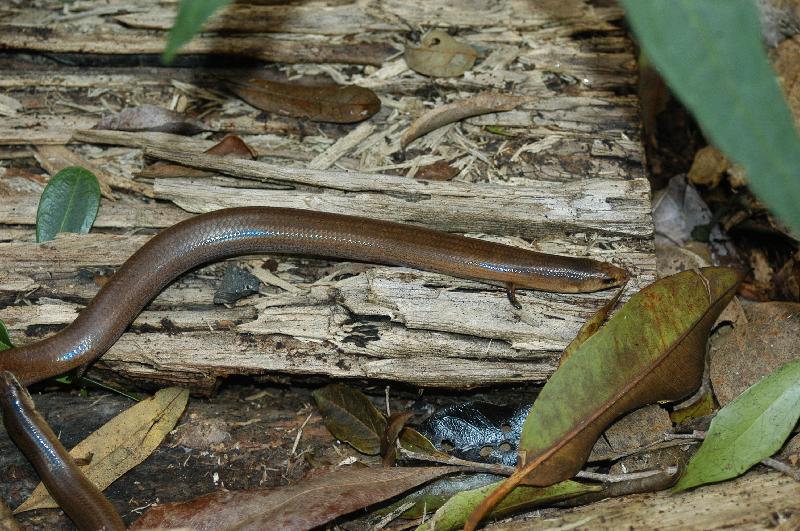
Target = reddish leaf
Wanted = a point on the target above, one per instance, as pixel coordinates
(395, 425)
(441, 170)
(326, 103)
(231, 146)
(301, 506)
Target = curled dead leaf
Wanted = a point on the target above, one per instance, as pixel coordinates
(440, 55)
(231, 146)
(304, 505)
(394, 425)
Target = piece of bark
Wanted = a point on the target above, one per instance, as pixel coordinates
(60, 39)
(755, 501)
(55, 158)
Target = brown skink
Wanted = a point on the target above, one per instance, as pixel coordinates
(79, 498)
(238, 231)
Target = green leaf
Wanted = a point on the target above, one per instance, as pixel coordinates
(350, 416)
(414, 441)
(747, 430)
(591, 325)
(651, 350)
(5, 339)
(69, 203)
(192, 14)
(455, 511)
(710, 53)
(433, 495)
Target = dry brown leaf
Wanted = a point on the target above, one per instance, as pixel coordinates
(440, 55)
(441, 170)
(7, 521)
(150, 118)
(121, 443)
(767, 339)
(305, 505)
(341, 104)
(394, 425)
(459, 110)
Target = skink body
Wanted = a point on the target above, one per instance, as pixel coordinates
(239, 231)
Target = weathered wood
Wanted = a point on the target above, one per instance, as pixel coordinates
(758, 500)
(561, 174)
(389, 323)
(609, 207)
(62, 40)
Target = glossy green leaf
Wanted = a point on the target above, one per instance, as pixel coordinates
(5, 339)
(711, 54)
(751, 428)
(350, 416)
(69, 203)
(591, 325)
(651, 350)
(192, 14)
(455, 511)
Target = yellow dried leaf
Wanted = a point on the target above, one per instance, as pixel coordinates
(708, 167)
(121, 443)
(440, 55)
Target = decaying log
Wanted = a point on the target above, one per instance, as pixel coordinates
(561, 173)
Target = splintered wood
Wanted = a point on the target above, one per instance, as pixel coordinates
(560, 173)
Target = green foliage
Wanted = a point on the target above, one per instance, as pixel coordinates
(192, 14)
(749, 429)
(69, 203)
(5, 340)
(710, 53)
(454, 513)
(653, 349)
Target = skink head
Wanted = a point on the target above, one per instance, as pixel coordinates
(610, 276)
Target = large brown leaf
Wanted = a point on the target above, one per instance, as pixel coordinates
(342, 104)
(301, 506)
(652, 350)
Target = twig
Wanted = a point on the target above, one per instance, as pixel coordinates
(780, 466)
(695, 435)
(393, 515)
(504, 470)
(618, 478)
(501, 470)
(300, 433)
